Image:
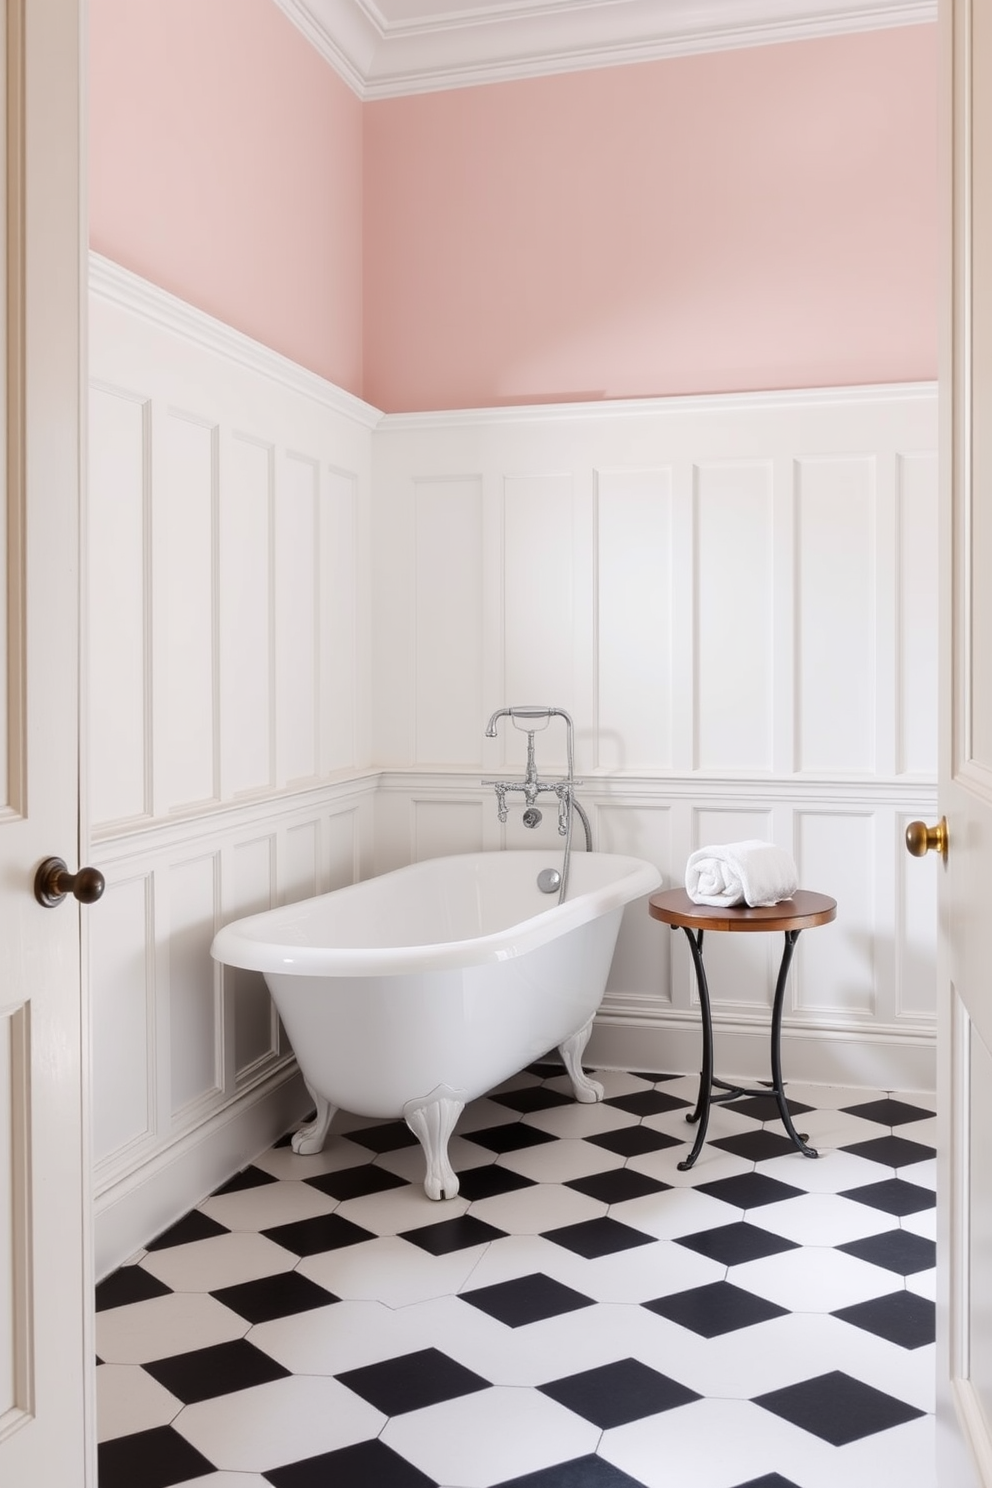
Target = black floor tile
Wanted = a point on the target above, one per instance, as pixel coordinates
(756, 1146)
(220, 1369)
(128, 1284)
(153, 1459)
(580, 1472)
(526, 1299)
(893, 1196)
(355, 1183)
(732, 1244)
(387, 1136)
(765, 1107)
(193, 1226)
(306, 1237)
(715, 1309)
(452, 1234)
(837, 1408)
(531, 1098)
(617, 1185)
(249, 1177)
(750, 1190)
(282, 1295)
(615, 1394)
(635, 1141)
(895, 1152)
(896, 1250)
(888, 1112)
(489, 1181)
(412, 1381)
(367, 1464)
(513, 1137)
(598, 1237)
(901, 1317)
(646, 1102)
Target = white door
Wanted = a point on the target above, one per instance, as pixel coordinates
(965, 905)
(44, 1338)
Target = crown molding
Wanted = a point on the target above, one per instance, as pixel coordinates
(119, 286)
(509, 39)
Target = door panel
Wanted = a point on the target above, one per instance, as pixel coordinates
(43, 1287)
(965, 794)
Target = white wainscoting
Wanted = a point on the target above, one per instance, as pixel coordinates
(735, 599)
(301, 613)
(226, 666)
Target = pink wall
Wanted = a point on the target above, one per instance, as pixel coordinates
(226, 166)
(749, 219)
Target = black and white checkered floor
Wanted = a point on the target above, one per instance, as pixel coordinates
(583, 1315)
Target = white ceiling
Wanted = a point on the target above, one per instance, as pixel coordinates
(384, 48)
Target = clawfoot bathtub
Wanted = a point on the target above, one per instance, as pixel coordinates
(415, 992)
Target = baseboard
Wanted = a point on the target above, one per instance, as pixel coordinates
(879, 1059)
(130, 1213)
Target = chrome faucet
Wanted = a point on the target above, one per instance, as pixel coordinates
(531, 786)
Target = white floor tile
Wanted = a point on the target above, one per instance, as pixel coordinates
(389, 1270)
(833, 1172)
(267, 1205)
(558, 1162)
(479, 1114)
(614, 1082)
(924, 1284)
(339, 1152)
(708, 1444)
(919, 1131)
(711, 1164)
(809, 1280)
(490, 1436)
(164, 1326)
(346, 1335)
(287, 1420)
(397, 1209)
(410, 1164)
(530, 1211)
(923, 1174)
(828, 1130)
(227, 1480)
(223, 1260)
(128, 1399)
(580, 1120)
(832, 1097)
(923, 1223)
(675, 1212)
(822, 1219)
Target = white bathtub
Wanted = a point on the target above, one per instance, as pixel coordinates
(415, 992)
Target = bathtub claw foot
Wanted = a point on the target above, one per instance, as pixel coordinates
(584, 1089)
(432, 1120)
(311, 1139)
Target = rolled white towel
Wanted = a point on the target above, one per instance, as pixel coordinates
(753, 873)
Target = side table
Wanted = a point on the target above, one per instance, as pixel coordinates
(802, 912)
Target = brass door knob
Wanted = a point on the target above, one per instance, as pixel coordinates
(921, 839)
(53, 881)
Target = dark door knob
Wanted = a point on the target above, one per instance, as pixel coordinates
(53, 881)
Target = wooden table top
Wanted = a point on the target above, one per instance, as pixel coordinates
(804, 910)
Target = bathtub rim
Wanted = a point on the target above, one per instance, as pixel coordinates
(239, 944)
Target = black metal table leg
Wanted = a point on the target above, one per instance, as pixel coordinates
(728, 1092)
(799, 1138)
(705, 1097)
